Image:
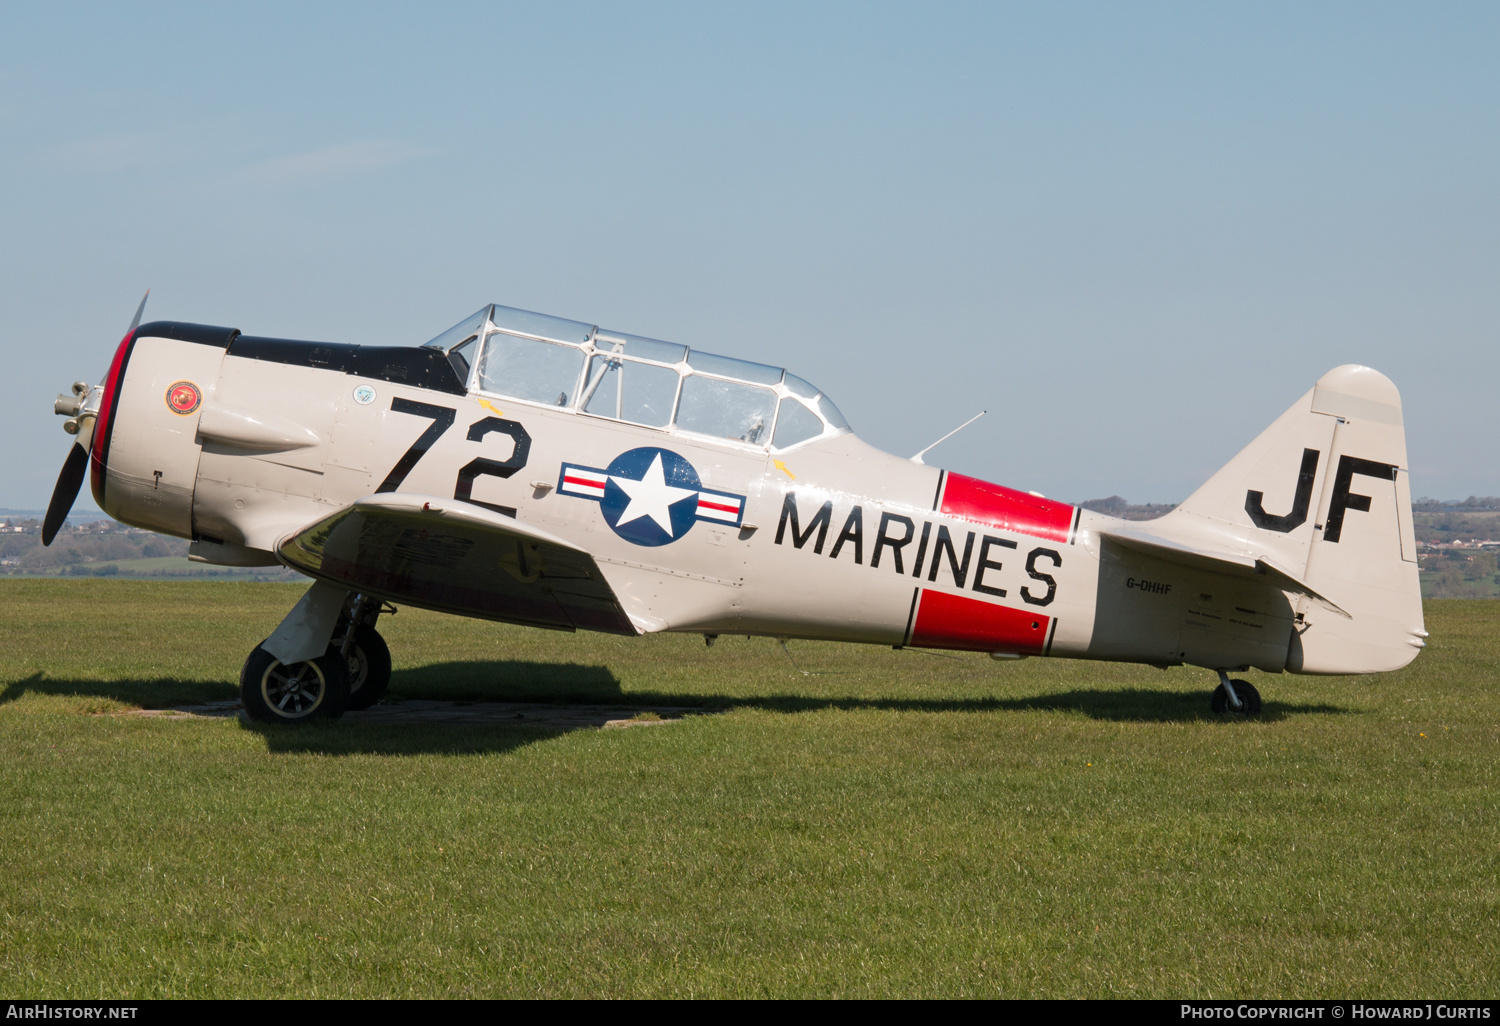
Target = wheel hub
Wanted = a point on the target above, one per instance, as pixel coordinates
(295, 692)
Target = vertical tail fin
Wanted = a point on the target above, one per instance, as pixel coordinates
(1323, 495)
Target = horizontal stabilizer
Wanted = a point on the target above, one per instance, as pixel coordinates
(457, 557)
(1217, 562)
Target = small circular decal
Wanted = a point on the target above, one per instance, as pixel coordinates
(184, 398)
(364, 395)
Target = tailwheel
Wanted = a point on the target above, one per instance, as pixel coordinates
(1228, 691)
(276, 693)
(369, 662)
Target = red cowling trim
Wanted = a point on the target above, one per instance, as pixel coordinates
(104, 426)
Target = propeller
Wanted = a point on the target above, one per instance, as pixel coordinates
(68, 484)
(81, 409)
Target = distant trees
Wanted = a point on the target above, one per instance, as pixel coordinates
(1450, 526)
(98, 549)
(1116, 506)
(1460, 573)
(1474, 503)
(84, 548)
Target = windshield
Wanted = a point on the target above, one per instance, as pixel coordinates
(468, 328)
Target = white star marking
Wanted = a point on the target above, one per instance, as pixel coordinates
(652, 497)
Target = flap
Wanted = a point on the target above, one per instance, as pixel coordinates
(457, 557)
(1173, 551)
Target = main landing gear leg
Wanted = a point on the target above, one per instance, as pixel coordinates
(363, 650)
(1235, 696)
(292, 677)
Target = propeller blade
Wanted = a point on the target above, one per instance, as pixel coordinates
(66, 492)
(138, 311)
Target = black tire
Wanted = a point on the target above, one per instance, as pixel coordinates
(314, 690)
(369, 667)
(1248, 696)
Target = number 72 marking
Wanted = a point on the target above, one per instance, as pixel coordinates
(442, 418)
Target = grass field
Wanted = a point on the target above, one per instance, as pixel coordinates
(887, 823)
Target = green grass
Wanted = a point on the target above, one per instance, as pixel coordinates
(891, 823)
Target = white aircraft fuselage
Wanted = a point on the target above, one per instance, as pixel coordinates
(544, 472)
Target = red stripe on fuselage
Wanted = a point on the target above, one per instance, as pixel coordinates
(956, 621)
(104, 425)
(972, 499)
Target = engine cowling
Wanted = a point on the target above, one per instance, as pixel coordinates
(145, 453)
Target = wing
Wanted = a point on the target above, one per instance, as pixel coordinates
(460, 558)
(1174, 551)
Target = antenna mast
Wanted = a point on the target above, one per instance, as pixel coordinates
(918, 457)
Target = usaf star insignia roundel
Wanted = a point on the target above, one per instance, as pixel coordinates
(651, 496)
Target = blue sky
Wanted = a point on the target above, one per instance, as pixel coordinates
(1135, 233)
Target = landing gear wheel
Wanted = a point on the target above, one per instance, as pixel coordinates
(1248, 696)
(369, 667)
(311, 690)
